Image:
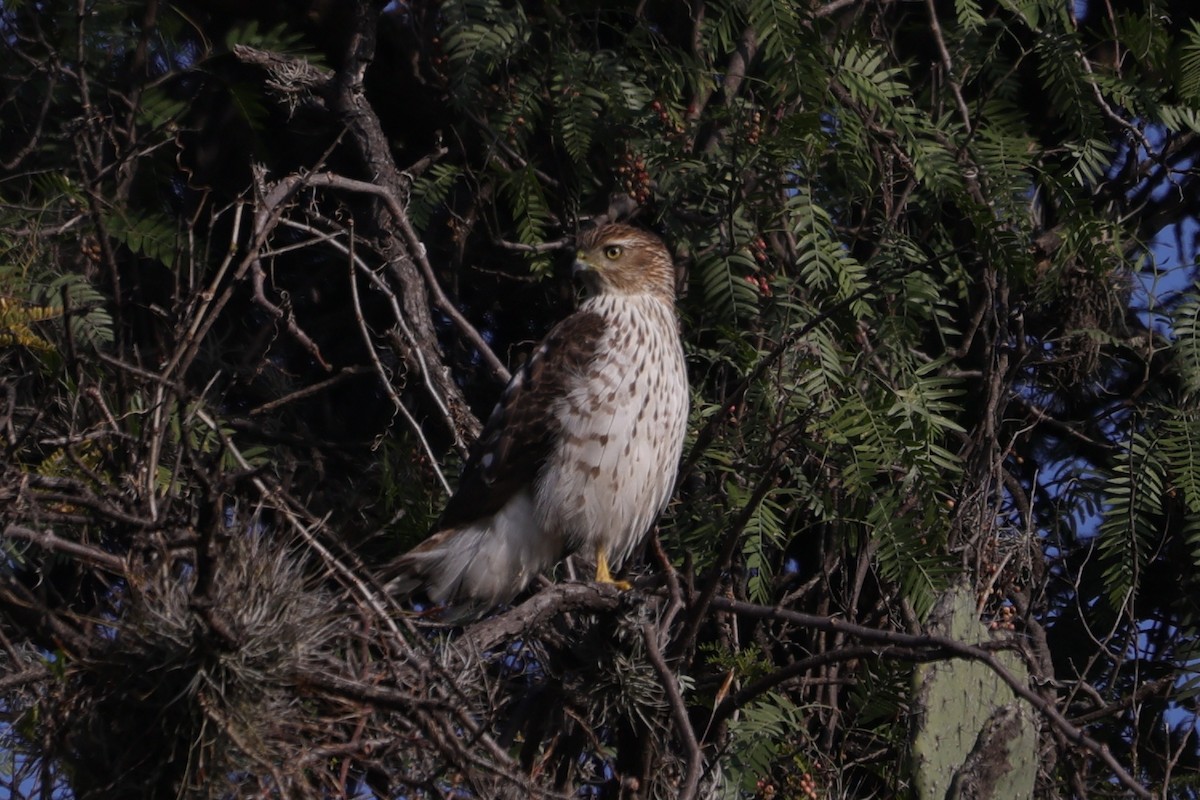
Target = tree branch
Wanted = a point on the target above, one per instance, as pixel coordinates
(683, 724)
(934, 645)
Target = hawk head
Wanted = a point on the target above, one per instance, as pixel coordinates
(620, 259)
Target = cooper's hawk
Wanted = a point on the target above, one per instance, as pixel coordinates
(582, 449)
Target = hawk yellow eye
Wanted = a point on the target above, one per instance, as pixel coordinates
(612, 252)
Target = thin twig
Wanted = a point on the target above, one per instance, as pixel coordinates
(417, 250)
(384, 378)
(670, 684)
(47, 540)
(10, 682)
(343, 374)
(675, 603)
(936, 28)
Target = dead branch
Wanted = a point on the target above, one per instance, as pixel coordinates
(50, 542)
(683, 725)
(528, 617)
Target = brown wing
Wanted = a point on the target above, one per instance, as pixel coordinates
(523, 426)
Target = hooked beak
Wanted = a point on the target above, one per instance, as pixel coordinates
(587, 274)
(580, 265)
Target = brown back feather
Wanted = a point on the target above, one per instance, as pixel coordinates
(522, 427)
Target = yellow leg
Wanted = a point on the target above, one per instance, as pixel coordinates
(602, 573)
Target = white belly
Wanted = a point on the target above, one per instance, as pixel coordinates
(614, 469)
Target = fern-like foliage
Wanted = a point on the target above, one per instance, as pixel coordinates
(1132, 532)
(149, 234)
(1189, 66)
(430, 191)
(277, 39)
(530, 210)
(1187, 343)
(823, 262)
(17, 321)
(479, 36)
(760, 735)
(40, 311)
(725, 286)
(1180, 449)
(89, 319)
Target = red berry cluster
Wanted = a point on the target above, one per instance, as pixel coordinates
(759, 247)
(634, 178)
(90, 247)
(754, 130)
(511, 131)
(438, 59)
(765, 789)
(503, 94)
(760, 283)
(1005, 620)
(803, 786)
(664, 116)
(1002, 579)
(808, 785)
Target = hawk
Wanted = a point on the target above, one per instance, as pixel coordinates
(581, 451)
